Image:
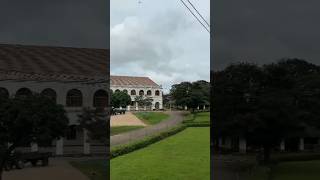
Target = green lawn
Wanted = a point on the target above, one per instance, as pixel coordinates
(305, 170)
(296, 170)
(152, 117)
(94, 169)
(185, 156)
(202, 117)
(122, 129)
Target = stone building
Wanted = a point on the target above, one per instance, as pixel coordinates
(73, 77)
(136, 86)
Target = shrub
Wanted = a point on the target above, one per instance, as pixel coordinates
(124, 149)
(296, 157)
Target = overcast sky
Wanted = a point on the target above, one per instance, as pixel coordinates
(265, 31)
(75, 23)
(159, 39)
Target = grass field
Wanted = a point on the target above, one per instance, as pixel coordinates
(122, 129)
(152, 118)
(202, 117)
(182, 156)
(308, 170)
(296, 170)
(94, 169)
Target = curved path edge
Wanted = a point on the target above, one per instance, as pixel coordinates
(176, 117)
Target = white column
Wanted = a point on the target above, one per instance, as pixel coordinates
(86, 144)
(185, 108)
(34, 147)
(282, 145)
(145, 108)
(128, 108)
(220, 142)
(301, 144)
(242, 145)
(137, 106)
(198, 107)
(59, 147)
(120, 107)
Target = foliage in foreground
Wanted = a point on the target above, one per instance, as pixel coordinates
(29, 119)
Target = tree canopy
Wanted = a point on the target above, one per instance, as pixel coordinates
(120, 99)
(29, 119)
(190, 94)
(268, 103)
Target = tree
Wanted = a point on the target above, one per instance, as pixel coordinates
(191, 95)
(266, 104)
(95, 121)
(143, 101)
(29, 119)
(120, 99)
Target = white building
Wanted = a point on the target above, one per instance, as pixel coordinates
(136, 86)
(73, 77)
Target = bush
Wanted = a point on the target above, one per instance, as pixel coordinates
(124, 149)
(296, 157)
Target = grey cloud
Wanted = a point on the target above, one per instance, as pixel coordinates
(77, 23)
(265, 31)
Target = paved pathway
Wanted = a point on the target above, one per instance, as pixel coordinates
(127, 119)
(58, 169)
(175, 118)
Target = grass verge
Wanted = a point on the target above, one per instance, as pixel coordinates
(122, 129)
(152, 118)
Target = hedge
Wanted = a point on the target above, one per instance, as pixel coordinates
(130, 147)
(295, 157)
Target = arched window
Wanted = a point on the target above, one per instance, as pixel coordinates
(50, 93)
(23, 92)
(100, 98)
(149, 93)
(4, 93)
(74, 98)
(133, 92)
(117, 91)
(141, 93)
(125, 91)
(157, 93)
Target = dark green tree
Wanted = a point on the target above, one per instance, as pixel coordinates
(191, 95)
(120, 99)
(266, 104)
(96, 122)
(143, 100)
(29, 119)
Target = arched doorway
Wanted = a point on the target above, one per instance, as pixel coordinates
(157, 105)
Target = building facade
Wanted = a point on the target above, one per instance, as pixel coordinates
(138, 86)
(73, 77)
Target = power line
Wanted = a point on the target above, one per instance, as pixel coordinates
(199, 13)
(195, 16)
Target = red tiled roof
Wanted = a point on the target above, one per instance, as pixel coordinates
(21, 62)
(131, 81)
